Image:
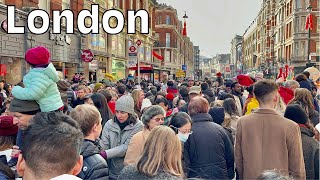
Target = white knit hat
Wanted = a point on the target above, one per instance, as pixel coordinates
(145, 103)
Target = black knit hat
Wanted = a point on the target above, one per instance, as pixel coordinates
(295, 113)
(217, 114)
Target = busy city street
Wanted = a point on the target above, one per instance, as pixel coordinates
(159, 89)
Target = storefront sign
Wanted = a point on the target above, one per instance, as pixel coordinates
(87, 55)
(93, 65)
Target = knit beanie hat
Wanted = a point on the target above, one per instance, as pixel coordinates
(217, 114)
(38, 56)
(97, 86)
(24, 107)
(125, 104)
(295, 113)
(145, 104)
(7, 128)
(151, 112)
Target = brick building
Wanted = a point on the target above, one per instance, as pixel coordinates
(176, 49)
(65, 48)
(278, 36)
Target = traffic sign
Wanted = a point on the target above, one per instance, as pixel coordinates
(139, 42)
(180, 73)
(132, 49)
(184, 67)
(132, 56)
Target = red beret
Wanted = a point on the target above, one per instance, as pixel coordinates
(38, 56)
(169, 96)
(7, 128)
(219, 74)
(244, 80)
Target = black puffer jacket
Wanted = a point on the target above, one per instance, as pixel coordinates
(94, 165)
(208, 153)
(310, 148)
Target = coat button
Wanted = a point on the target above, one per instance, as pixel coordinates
(85, 168)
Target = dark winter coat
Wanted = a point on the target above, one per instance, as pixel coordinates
(94, 165)
(310, 148)
(131, 172)
(208, 153)
(77, 102)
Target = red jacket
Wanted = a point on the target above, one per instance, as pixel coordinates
(286, 94)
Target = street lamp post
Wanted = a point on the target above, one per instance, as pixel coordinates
(309, 9)
(185, 45)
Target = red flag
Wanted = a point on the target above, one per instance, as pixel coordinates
(158, 56)
(184, 31)
(309, 23)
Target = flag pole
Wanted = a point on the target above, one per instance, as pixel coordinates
(308, 25)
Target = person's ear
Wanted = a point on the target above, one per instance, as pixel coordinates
(21, 165)
(78, 166)
(94, 128)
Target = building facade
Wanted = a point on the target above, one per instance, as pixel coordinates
(64, 48)
(277, 37)
(196, 63)
(235, 56)
(176, 49)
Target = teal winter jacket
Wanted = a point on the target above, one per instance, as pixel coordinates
(40, 85)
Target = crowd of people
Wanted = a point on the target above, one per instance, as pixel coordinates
(54, 128)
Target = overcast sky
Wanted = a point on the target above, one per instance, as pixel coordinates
(213, 23)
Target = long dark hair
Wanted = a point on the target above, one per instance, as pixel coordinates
(230, 106)
(178, 120)
(100, 103)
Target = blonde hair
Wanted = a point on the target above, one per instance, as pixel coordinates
(135, 96)
(162, 151)
(303, 97)
(87, 116)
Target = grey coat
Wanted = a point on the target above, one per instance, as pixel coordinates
(131, 172)
(116, 142)
(310, 148)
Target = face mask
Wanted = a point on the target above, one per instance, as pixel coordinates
(183, 137)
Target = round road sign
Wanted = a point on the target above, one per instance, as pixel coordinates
(132, 49)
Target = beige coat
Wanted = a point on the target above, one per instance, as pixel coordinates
(267, 141)
(136, 146)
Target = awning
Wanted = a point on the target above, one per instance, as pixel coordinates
(142, 68)
(158, 56)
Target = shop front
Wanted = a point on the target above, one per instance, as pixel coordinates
(146, 72)
(118, 69)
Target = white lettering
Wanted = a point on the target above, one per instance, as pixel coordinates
(68, 14)
(45, 21)
(105, 21)
(143, 14)
(94, 15)
(12, 29)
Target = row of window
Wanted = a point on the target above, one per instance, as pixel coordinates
(168, 20)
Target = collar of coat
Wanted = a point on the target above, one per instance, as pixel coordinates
(265, 111)
(114, 126)
(306, 131)
(201, 117)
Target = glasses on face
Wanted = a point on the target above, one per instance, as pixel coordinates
(159, 119)
(185, 131)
